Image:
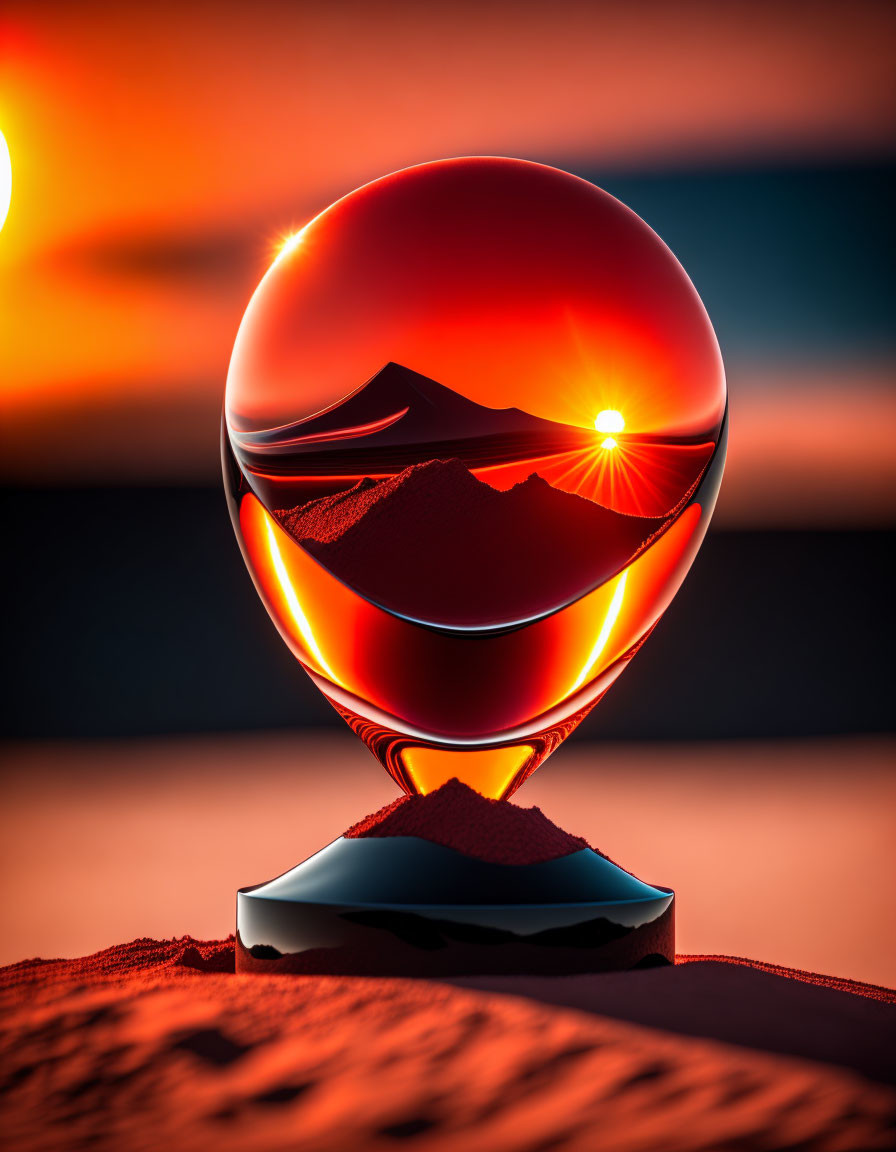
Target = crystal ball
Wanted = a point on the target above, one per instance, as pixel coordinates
(474, 429)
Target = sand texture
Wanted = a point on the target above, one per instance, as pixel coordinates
(155, 1045)
(457, 817)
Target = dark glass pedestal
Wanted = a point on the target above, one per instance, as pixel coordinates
(401, 906)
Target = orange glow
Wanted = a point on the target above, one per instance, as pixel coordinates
(289, 243)
(295, 608)
(609, 444)
(489, 770)
(240, 142)
(604, 635)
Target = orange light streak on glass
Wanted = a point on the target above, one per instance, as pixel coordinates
(288, 244)
(604, 635)
(352, 433)
(295, 608)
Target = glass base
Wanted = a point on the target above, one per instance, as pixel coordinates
(402, 906)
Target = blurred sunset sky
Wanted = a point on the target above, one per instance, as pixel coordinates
(161, 152)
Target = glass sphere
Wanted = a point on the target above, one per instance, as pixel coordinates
(473, 435)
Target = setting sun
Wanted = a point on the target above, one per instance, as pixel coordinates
(609, 421)
(5, 179)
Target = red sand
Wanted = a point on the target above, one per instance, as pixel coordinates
(458, 817)
(154, 960)
(835, 983)
(436, 543)
(137, 960)
(150, 1045)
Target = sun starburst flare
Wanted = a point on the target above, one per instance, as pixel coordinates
(609, 420)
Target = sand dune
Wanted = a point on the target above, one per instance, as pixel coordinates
(152, 1045)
